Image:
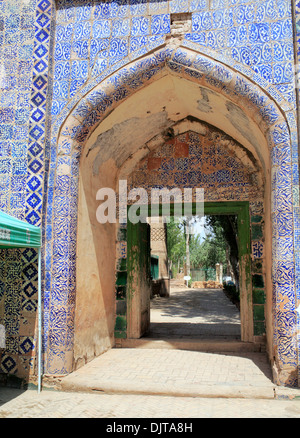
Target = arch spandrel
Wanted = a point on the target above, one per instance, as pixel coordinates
(106, 96)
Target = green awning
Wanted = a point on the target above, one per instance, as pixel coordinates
(15, 233)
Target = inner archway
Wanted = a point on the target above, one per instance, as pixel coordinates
(213, 161)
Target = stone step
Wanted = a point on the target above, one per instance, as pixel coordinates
(180, 373)
(204, 345)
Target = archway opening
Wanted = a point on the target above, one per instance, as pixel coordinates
(172, 133)
(172, 91)
(195, 279)
(139, 288)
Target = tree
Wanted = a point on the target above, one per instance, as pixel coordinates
(208, 253)
(227, 226)
(175, 241)
(187, 222)
(185, 246)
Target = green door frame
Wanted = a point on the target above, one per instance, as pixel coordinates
(138, 280)
(241, 210)
(237, 208)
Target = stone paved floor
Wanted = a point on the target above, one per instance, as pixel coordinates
(53, 404)
(196, 313)
(170, 371)
(164, 383)
(188, 313)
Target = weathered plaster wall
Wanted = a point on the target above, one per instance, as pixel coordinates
(95, 267)
(168, 100)
(95, 308)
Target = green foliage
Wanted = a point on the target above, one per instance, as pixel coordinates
(205, 253)
(175, 240)
(227, 226)
(208, 252)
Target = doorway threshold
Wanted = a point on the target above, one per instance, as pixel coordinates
(203, 345)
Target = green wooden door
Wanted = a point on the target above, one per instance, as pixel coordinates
(138, 280)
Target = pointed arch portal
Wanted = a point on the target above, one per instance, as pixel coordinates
(115, 126)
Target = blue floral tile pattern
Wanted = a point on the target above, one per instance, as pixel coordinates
(185, 162)
(24, 59)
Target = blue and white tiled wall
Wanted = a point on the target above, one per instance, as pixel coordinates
(25, 38)
(93, 39)
(52, 55)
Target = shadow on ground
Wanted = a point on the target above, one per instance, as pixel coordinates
(9, 393)
(194, 313)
